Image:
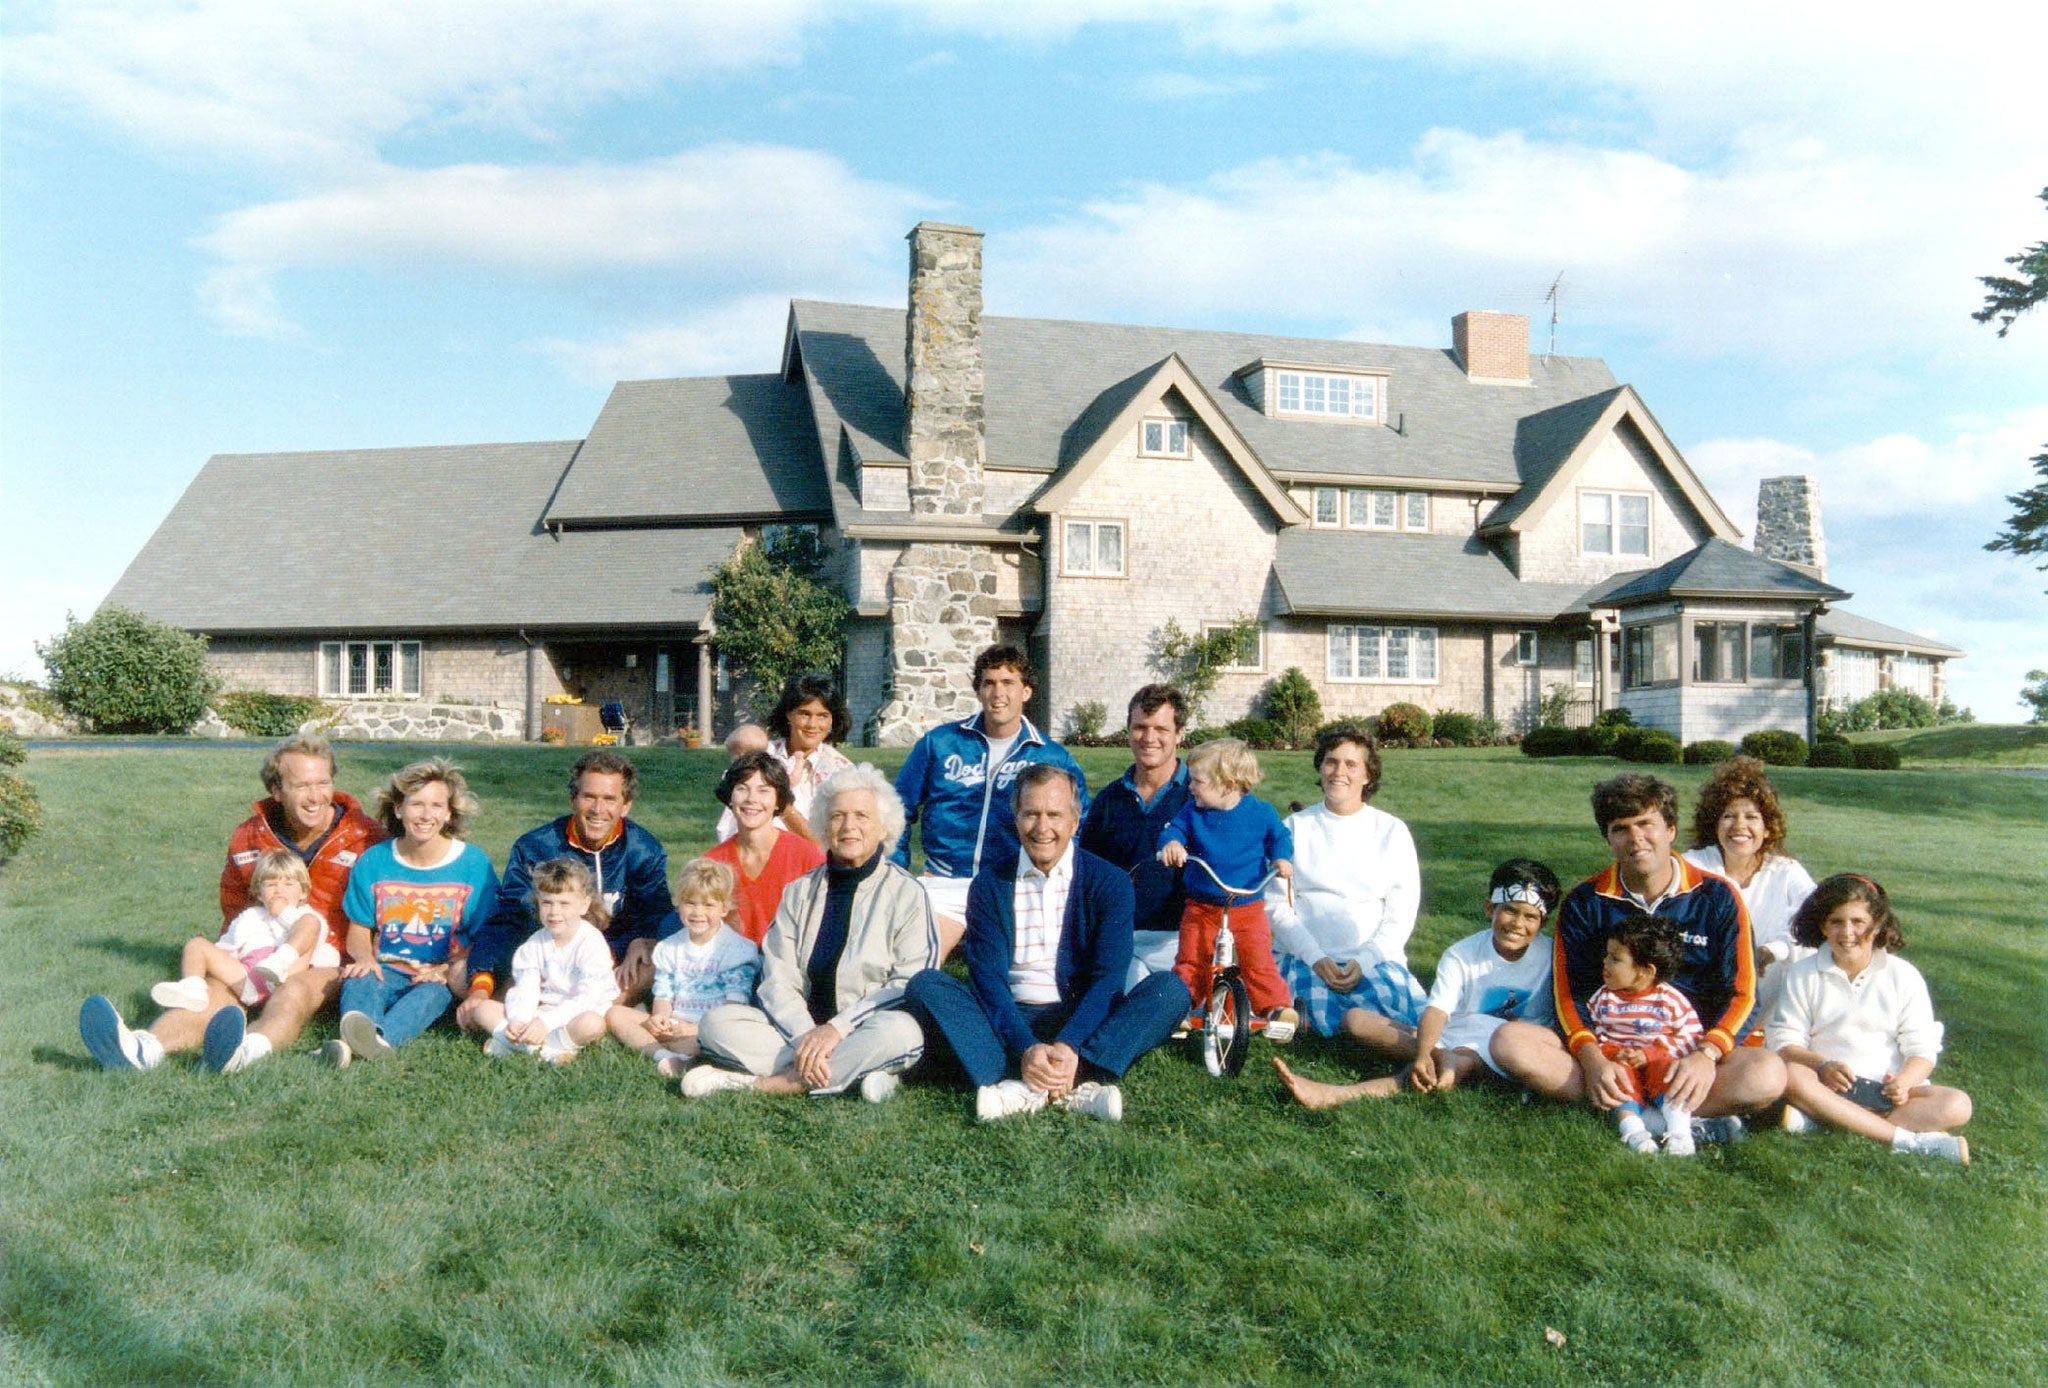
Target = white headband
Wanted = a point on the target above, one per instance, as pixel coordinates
(1520, 894)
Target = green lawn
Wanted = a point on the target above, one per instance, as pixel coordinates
(1969, 744)
(447, 1218)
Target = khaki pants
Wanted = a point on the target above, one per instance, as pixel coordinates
(743, 1038)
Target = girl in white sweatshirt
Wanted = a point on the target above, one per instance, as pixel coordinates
(562, 983)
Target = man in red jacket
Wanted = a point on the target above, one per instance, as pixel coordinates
(304, 813)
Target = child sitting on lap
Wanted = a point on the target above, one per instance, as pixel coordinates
(705, 963)
(1239, 837)
(562, 983)
(1645, 1025)
(1501, 974)
(1856, 1028)
(261, 947)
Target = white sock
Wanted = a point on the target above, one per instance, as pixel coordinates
(253, 1048)
(558, 1039)
(1630, 1121)
(1675, 1117)
(1903, 1141)
(149, 1052)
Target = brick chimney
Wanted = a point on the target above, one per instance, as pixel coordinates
(1788, 524)
(942, 421)
(1492, 346)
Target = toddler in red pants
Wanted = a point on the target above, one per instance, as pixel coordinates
(1239, 837)
(1646, 1025)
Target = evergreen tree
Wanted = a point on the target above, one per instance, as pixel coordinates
(2008, 297)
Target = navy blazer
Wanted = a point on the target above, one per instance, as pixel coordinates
(1094, 953)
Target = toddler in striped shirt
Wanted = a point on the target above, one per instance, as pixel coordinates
(1645, 1025)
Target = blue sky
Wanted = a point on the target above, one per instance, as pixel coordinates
(300, 224)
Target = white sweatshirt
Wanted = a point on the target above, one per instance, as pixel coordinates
(557, 982)
(1357, 888)
(1873, 1023)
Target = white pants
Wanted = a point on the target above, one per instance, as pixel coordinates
(742, 1036)
(948, 895)
(1152, 952)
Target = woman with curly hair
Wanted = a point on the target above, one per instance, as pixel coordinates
(1738, 830)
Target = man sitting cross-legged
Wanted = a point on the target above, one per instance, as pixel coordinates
(1048, 944)
(302, 814)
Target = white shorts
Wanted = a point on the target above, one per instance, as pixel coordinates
(1473, 1031)
(1152, 952)
(948, 895)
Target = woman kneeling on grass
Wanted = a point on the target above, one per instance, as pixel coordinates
(1856, 1028)
(846, 942)
(562, 981)
(412, 902)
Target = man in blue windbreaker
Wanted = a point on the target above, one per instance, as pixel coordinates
(956, 786)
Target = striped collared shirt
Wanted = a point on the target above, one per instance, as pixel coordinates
(1041, 907)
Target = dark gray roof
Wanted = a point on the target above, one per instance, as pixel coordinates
(1846, 628)
(407, 539)
(696, 449)
(1712, 569)
(1043, 375)
(1544, 441)
(1359, 573)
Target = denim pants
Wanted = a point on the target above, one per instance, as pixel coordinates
(401, 1008)
(1139, 1020)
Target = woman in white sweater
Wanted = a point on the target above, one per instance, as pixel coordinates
(1341, 936)
(1738, 830)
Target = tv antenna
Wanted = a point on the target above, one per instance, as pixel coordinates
(1551, 299)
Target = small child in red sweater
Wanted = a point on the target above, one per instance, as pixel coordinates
(1645, 1024)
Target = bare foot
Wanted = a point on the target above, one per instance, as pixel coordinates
(1316, 1094)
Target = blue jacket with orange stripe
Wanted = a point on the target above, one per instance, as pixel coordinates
(1717, 972)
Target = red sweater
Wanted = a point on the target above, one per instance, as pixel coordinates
(792, 857)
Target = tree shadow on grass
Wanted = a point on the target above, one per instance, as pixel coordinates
(160, 957)
(65, 1311)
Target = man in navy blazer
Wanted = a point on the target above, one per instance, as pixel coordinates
(1043, 1017)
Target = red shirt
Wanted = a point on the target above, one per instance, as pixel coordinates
(333, 856)
(792, 857)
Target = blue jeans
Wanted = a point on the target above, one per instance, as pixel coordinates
(1140, 1020)
(401, 1008)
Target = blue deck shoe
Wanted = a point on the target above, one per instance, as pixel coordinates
(100, 1027)
(224, 1035)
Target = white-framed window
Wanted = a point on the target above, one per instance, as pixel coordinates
(1720, 653)
(370, 669)
(1854, 674)
(1328, 394)
(1914, 673)
(1614, 523)
(1382, 655)
(1367, 508)
(1163, 438)
(1582, 660)
(1093, 549)
(1650, 655)
(1527, 649)
(1777, 651)
(1328, 499)
(1251, 655)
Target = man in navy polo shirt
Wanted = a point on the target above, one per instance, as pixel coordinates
(1124, 822)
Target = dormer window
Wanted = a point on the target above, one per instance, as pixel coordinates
(1304, 390)
(1163, 438)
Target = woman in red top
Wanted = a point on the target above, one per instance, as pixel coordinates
(763, 855)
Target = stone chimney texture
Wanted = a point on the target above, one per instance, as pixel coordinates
(942, 417)
(1788, 523)
(1492, 346)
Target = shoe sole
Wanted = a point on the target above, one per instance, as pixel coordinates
(99, 1026)
(336, 1054)
(223, 1038)
(1962, 1151)
(364, 1039)
(171, 997)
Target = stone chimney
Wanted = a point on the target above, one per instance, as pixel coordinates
(1788, 524)
(1492, 346)
(942, 415)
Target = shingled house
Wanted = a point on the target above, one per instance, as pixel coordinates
(1461, 528)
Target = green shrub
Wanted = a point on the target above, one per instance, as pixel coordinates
(1195, 737)
(13, 751)
(1877, 756)
(1464, 729)
(1555, 742)
(1555, 710)
(20, 815)
(1408, 722)
(1084, 721)
(1293, 707)
(1616, 717)
(1648, 745)
(1825, 753)
(1829, 736)
(266, 715)
(1259, 734)
(123, 673)
(1776, 747)
(1708, 753)
(1604, 739)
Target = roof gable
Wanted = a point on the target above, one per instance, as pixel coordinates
(1114, 414)
(1552, 446)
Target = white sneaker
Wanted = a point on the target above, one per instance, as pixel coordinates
(1006, 1099)
(499, 1045)
(711, 1079)
(110, 1042)
(1638, 1140)
(1280, 1025)
(276, 964)
(1947, 1146)
(253, 1048)
(1793, 1121)
(185, 994)
(1092, 1100)
(336, 1055)
(365, 1037)
(877, 1085)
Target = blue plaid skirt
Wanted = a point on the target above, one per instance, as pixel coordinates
(1387, 989)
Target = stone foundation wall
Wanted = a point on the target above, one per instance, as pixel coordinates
(408, 722)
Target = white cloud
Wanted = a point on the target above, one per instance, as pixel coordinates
(322, 83)
(717, 220)
(741, 335)
(1186, 86)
